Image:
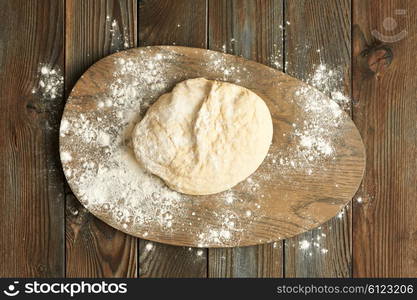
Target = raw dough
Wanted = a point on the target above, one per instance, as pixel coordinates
(204, 137)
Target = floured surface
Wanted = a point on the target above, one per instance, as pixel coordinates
(312, 170)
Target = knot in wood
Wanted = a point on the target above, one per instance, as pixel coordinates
(379, 59)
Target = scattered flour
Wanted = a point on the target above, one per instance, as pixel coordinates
(66, 157)
(229, 197)
(119, 36)
(103, 139)
(149, 246)
(50, 84)
(317, 131)
(304, 244)
(275, 59)
(313, 245)
(64, 127)
(328, 81)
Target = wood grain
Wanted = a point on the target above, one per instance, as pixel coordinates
(319, 32)
(180, 22)
(95, 29)
(184, 262)
(31, 180)
(165, 23)
(251, 29)
(385, 109)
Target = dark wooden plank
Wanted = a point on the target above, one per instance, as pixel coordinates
(161, 260)
(31, 180)
(250, 29)
(318, 32)
(181, 23)
(95, 29)
(385, 109)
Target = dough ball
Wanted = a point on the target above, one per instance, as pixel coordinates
(204, 137)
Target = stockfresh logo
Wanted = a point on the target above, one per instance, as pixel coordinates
(12, 290)
(71, 288)
(390, 25)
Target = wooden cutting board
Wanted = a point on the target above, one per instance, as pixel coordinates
(313, 169)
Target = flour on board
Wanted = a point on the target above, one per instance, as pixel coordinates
(316, 136)
(112, 184)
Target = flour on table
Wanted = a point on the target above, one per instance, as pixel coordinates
(314, 245)
(149, 246)
(119, 35)
(50, 83)
(275, 59)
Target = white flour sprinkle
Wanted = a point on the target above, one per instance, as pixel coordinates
(119, 37)
(64, 127)
(217, 236)
(317, 131)
(50, 84)
(328, 81)
(313, 245)
(231, 72)
(304, 244)
(66, 157)
(103, 139)
(275, 59)
(149, 246)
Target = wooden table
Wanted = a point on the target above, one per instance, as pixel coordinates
(46, 232)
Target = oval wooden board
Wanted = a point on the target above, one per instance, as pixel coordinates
(293, 191)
